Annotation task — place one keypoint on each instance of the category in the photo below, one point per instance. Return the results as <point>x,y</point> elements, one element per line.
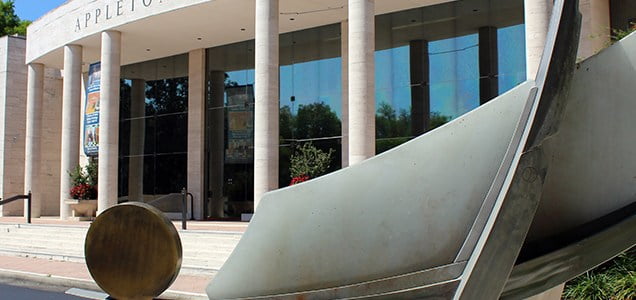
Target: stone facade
<point>13,84</point>
<point>13,78</point>
<point>51,142</point>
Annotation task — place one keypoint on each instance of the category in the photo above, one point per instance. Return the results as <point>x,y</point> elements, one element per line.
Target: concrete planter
<point>83,210</point>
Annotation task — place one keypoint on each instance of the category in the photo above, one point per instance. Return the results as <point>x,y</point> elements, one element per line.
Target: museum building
<point>215,95</point>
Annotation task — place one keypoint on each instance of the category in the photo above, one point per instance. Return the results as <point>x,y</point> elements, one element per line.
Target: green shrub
<point>308,160</point>
<point>619,34</point>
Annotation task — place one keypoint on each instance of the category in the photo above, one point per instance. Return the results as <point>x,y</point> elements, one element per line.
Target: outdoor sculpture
<point>447,214</point>
<point>133,251</point>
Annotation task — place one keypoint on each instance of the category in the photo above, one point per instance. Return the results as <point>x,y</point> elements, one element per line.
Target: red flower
<point>299,179</point>
<point>84,191</point>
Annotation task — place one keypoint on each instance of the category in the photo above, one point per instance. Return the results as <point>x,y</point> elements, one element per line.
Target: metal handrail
<point>184,207</point>
<point>26,197</point>
<point>191,206</point>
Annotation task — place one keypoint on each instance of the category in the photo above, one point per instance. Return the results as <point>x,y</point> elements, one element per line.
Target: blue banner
<point>91,110</point>
<point>240,115</point>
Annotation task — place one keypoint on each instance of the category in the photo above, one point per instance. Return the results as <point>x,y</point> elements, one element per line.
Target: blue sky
<point>33,9</point>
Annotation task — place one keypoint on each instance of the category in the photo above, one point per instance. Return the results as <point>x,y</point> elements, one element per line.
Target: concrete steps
<point>204,252</point>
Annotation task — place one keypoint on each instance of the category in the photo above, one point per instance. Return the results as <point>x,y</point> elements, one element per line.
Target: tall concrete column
<point>266,111</point>
<point>33,149</point>
<point>109,120</point>
<point>488,64</point>
<point>361,80</point>
<point>595,27</point>
<point>420,87</point>
<point>137,139</point>
<point>71,95</point>
<point>216,146</point>
<point>344,52</point>
<point>537,19</point>
<point>196,130</point>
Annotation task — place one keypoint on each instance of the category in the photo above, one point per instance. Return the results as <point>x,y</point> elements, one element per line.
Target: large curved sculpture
<point>446,214</point>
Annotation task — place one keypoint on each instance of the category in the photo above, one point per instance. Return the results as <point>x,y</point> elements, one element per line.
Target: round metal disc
<point>133,251</point>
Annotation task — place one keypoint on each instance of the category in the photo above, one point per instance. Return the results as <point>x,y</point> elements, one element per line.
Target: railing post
<point>28,216</point>
<point>191,206</point>
<point>184,208</point>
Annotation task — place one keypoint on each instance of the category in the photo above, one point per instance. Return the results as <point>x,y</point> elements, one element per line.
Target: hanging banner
<point>240,116</point>
<point>91,110</point>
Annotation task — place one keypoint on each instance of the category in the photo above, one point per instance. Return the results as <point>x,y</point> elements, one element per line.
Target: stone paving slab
<point>76,274</point>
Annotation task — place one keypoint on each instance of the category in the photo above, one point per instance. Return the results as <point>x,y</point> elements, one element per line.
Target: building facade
<point>213,96</point>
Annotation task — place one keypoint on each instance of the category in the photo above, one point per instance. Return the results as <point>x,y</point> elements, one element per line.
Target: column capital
<point>36,65</point>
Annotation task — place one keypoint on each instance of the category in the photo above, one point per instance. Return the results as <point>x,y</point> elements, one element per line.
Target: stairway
<point>204,252</point>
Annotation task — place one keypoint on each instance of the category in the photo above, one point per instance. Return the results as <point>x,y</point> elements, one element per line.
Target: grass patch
<point>614,280</point>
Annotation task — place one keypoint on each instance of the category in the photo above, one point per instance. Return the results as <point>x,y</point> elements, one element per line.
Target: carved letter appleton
<point>87,18</point>
<point>108,16</point>
<point>115,8</point>
<point>120,6</point>
<point>98,12</point>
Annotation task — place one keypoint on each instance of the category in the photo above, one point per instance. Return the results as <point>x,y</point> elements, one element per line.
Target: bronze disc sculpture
<point>133,251</point>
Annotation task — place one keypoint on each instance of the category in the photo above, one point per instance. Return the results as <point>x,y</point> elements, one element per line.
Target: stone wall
<point>51,142</point>
<point>13,79</point>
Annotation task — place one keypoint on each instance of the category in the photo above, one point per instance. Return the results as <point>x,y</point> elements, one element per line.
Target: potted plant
<point>84,191</point>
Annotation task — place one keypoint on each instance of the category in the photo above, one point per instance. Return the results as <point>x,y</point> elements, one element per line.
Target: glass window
<point>230,130</point>
<point>153,129</point>
<point>311,95</point>
<point>440,44</point>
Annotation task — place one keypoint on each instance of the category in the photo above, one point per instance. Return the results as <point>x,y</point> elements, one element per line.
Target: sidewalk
<point>192,225</point>
<point>73,274</point>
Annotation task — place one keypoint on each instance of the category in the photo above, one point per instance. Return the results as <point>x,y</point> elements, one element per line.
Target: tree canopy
<point>10,23</point>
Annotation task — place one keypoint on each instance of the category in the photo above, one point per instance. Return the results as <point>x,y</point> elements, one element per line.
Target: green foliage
<point>86,175</point>
<point>77,176</point>
<point>382,145</point>
<point>438,120</point>
<point>91,171</point>
<point>310,161</point>
<point>614,280</point>
<point>393,128</point>
<point>619,34</point>
<point>316,120</point>
<point>390,124</point>
<point>10,23</point>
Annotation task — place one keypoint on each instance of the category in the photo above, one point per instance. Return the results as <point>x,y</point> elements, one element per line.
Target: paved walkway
<point>74,274</point>
<point>192,225</point>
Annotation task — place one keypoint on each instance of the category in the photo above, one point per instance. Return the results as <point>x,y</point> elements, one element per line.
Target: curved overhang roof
<point>159,28</point>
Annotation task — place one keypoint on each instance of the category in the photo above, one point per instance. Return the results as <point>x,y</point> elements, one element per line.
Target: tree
<point>316,120</point>
<point>10,23</point>
<point>286,126</point>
